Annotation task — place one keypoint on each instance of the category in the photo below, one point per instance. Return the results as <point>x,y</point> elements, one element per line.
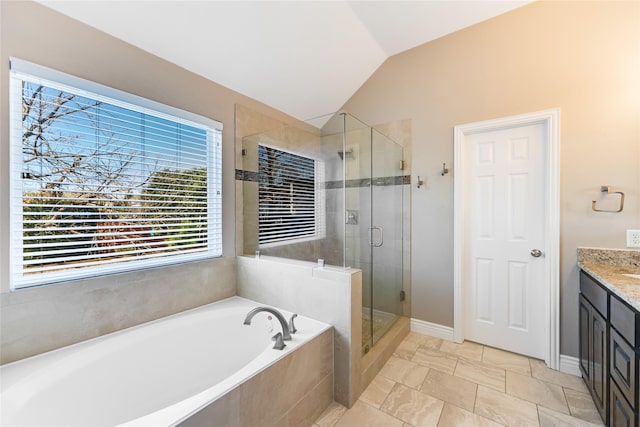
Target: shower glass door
<point>373,195</point>
<point>386,234</point>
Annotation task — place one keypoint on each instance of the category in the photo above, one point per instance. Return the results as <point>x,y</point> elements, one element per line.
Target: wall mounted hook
<point>444,169</point>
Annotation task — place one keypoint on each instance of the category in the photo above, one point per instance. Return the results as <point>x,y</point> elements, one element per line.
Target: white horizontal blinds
<point>214,182</point>
<point>286,196</point>
<point>101,186</point>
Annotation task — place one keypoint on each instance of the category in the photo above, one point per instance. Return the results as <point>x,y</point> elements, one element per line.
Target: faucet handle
<point>292,326</point>
<point>279,345</point>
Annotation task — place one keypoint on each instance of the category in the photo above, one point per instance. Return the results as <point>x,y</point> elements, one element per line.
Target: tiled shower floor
<point>381,324</point>
<point>431,382</point>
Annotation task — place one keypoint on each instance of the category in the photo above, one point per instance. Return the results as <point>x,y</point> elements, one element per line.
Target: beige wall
<point>40,319</point>
<point>583,57</point>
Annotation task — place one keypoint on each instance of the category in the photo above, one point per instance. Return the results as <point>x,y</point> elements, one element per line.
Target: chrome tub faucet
<point>279,338</point>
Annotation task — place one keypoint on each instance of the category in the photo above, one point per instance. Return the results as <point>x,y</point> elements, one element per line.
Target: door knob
<point>536,253</point>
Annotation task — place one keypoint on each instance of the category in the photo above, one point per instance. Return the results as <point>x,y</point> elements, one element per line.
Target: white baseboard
<point>570,365</point>
<point>432,329</point>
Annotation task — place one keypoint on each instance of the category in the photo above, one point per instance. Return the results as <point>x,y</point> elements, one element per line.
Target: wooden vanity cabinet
<point>609,352</point>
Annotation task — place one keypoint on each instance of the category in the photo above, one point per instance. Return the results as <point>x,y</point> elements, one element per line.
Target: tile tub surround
<point>332,295</point>
<point>609,266</point>
<point>40,319</point>
<point>292,392</point>
<point>410,391</point>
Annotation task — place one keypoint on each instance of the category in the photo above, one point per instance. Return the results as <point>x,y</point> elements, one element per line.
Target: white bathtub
<point>155,374</point>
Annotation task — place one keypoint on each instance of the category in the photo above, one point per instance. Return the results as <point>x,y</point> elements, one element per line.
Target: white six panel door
<point>504,288</point>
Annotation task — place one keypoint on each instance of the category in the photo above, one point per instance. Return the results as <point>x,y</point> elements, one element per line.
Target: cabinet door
<point>593,354</point>
<point>585,339</point>
<point>599,362</point>
<point>621,413</point>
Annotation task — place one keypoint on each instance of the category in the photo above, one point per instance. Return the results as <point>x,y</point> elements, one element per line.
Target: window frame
<point>20,71</point>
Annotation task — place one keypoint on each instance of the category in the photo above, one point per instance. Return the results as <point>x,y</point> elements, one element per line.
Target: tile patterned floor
<point>431,382</point>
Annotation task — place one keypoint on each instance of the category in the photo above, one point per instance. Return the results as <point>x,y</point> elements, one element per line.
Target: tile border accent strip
<point>243,175</point>
<point>367,182</point>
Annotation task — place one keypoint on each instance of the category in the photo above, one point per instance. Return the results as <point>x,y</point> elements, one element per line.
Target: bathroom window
<point>290,200</point>
<point>104,182</point>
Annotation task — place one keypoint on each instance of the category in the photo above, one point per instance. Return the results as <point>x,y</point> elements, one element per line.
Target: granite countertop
<point>609,266</point>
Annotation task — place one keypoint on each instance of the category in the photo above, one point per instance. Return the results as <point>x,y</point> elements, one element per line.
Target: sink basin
<point>633,276</point>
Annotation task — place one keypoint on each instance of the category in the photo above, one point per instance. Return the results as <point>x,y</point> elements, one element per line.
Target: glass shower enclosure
<point>330,189</point>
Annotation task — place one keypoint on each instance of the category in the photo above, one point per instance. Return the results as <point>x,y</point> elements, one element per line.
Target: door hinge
<point>401,165</point>
<point>402,295</point>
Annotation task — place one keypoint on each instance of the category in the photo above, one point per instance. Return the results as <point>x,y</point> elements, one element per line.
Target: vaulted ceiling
<point>305,58</point>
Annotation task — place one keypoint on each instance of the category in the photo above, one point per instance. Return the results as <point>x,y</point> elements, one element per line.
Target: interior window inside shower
<point>289,197</point>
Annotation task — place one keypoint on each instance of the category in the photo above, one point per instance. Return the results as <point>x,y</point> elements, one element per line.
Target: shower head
<point>346,154</point>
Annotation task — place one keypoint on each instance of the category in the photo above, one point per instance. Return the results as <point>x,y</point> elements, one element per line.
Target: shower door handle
<point>381,241</point>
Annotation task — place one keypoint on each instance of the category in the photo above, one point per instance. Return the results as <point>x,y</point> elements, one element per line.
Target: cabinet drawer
<point>622,415</point>
<point>622,365</point>
<point>595,293</point>
<point>623,318</point>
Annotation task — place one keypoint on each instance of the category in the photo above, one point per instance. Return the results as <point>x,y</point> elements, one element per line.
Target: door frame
<point>550,118</point>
